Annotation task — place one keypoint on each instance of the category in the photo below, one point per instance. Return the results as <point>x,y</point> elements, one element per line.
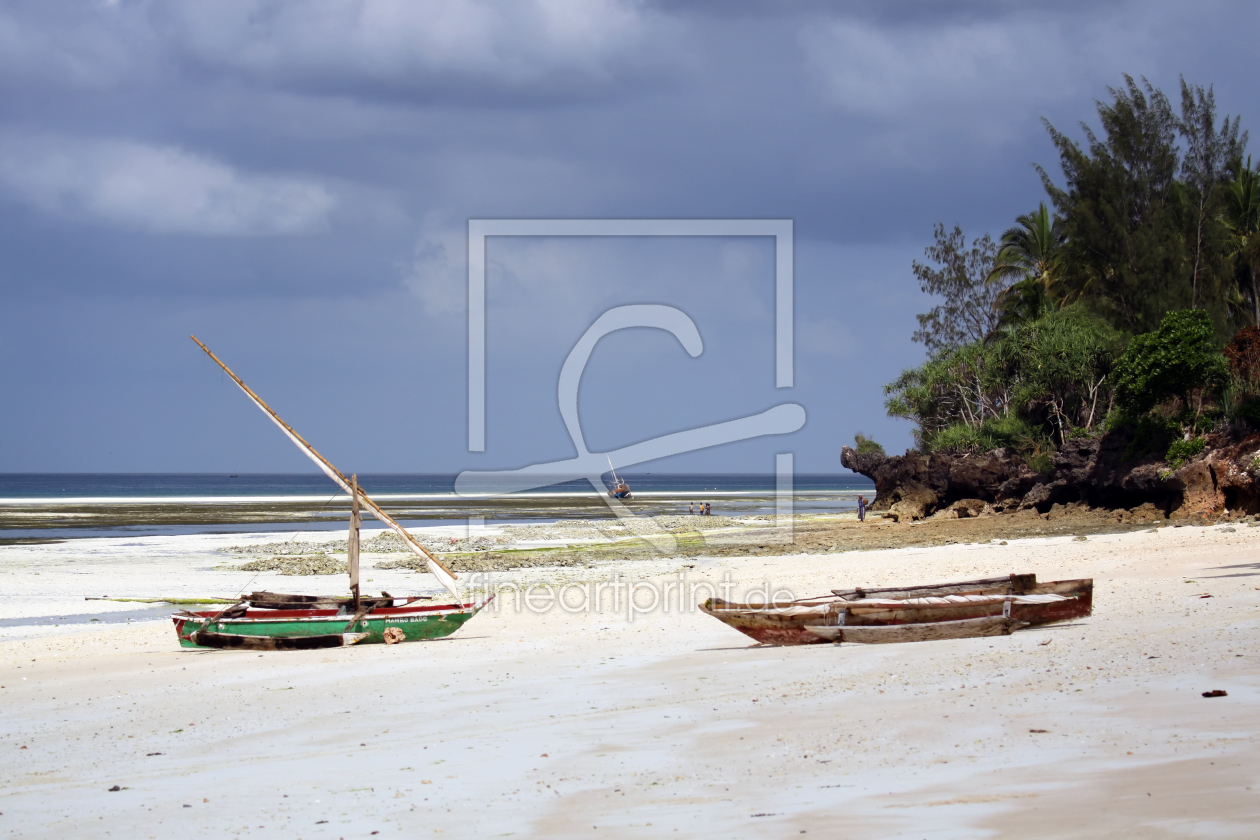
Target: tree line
<point>1131,300</point>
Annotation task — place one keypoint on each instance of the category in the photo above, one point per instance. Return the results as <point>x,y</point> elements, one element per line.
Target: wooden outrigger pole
<point>444,575</point>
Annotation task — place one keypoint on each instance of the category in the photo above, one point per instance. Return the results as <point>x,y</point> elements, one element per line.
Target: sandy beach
<point>627,723</point>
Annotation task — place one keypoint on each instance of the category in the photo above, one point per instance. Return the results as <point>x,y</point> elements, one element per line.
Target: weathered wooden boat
<point>1019,597</point>
<point>295,628</point>
<point>967,628</point>
<point>295,622</point>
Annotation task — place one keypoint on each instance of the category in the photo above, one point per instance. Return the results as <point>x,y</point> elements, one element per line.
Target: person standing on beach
<point>691,509</point>
<point>862,503</point>
<point>708,511</point>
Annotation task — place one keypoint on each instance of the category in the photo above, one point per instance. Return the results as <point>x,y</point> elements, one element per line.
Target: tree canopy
<point>959,276</point>
<point>1174,360</point>
<point>1112,302</point>
<point>1049,374</point>
<point>1140,241</point>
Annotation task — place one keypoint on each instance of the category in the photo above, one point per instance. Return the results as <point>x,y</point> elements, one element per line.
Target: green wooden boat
<point>306,622</point>
<point>408,623</point>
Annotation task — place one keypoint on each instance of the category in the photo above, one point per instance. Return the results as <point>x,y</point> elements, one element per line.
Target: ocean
<point>54,506</point>
<point>177,486</point>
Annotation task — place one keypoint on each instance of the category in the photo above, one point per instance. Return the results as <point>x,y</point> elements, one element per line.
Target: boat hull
<point>1079,603</point>
<point>769,627</point>
<point>416,623</point>
<point>969,628</point>
<point>232,641</point>
<point>785,625</point>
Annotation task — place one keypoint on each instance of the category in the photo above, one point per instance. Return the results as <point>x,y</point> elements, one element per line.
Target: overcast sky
<point>292,183</point>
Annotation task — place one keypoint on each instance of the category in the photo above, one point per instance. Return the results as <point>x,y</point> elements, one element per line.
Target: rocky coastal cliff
<point>1092,472</point>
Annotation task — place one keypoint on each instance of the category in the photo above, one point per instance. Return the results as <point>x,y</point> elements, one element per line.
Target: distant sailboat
<point>620,490</point>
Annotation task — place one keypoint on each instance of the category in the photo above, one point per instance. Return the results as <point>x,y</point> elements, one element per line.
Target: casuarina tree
<point>959,275</point>
<point>1205,173</point>
<point>1121,207</point>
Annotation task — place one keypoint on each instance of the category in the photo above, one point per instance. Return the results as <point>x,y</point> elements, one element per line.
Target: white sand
<point>669,725</point>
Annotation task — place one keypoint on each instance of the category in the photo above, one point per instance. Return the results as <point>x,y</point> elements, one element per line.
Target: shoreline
<point>30,521</point>
<point>52,501</point>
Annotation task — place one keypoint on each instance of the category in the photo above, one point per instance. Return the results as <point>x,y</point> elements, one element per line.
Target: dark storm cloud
<point>261,118</point>
<point>623,106</point>
<point>211,165</point>
<point>886,11</point>
<point>477,53</point>
<point>425,52</point>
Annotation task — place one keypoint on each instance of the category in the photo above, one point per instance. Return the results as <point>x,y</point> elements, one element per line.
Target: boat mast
<point>616,481</point>
<point>444,575</point>
<point>352,544</point>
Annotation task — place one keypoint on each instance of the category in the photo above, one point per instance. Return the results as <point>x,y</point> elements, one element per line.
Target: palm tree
<point>1032,257</point>
<point>1243,219</point>
<point>1021,302</point>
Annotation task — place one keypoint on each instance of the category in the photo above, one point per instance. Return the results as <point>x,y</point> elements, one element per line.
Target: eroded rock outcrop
<point>1094,472</point>
<point>1236,471</point>
<point>914,485</point>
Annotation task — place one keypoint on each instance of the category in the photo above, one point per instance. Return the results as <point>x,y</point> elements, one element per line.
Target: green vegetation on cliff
<point>1109,310</point>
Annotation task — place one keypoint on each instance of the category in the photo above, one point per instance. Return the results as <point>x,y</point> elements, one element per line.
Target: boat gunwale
<point>325,614</point>
<point>1078,587</point>
<point>329,619</point>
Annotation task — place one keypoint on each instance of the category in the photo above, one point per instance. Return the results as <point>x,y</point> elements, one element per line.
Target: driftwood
<point>235,641</point>
<point>1009,585</point>
<point>966,629</point>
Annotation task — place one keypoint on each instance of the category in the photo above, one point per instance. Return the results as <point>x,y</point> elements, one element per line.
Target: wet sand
<point>588,723</point>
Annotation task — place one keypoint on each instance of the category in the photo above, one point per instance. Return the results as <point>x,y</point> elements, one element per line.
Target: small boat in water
<point>274,621</point>
<point>1016,597</point>
<point>620,489</point>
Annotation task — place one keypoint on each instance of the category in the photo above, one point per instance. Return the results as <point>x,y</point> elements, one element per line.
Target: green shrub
<point>1151,434</point>
<point>1182,451</point>
<point>1206,420</point>
<point>1009,432</point>
<point>866,446</point>
<point>1041,460</point>
<point>1175,360</point>
<point>1116,420</point>
<point>1248,411</point>
<point>960,437</point>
